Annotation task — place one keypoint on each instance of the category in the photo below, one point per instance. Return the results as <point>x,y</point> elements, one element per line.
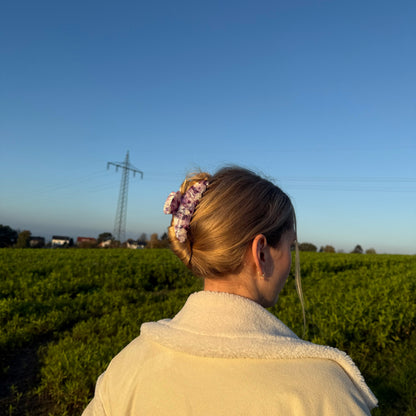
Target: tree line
<point>24,239</point>
<point>330,249</point>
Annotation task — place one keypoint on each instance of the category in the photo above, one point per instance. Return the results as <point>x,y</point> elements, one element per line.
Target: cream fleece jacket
<point>223,354</point>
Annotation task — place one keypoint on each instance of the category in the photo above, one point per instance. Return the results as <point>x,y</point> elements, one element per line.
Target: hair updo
<point>237,206</point>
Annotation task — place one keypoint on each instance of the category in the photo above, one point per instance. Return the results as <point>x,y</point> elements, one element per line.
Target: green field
<point>65,313</point>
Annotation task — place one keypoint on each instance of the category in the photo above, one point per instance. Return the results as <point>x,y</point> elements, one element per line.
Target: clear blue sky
<point>318,94</point>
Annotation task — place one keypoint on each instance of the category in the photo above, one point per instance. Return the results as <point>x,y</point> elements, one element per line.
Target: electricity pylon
<point>120,222</point>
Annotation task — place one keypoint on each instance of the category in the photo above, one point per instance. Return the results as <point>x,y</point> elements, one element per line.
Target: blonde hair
<point>237,205</point>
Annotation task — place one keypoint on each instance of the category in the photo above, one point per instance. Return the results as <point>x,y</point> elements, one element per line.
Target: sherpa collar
<point>223,325</point>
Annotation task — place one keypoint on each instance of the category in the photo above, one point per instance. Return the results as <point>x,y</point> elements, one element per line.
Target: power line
<point>349,189</point>
<point>347,179</point>
<point>352,184</point>
<point>74,183</point>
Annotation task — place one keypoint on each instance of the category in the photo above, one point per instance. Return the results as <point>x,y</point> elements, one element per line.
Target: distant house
<point>106,243</point>
<point>134,244</point>
<point>36,242</point>
<point>60,241</point>
<point>86,241</point>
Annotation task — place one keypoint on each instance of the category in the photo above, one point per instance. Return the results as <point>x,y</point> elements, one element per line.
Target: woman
<point>224,353</point>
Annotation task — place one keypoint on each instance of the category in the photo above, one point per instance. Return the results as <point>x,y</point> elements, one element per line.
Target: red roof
<point>88,239</point>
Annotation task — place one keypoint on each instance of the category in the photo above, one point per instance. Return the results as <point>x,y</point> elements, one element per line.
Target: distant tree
<point>156,243</point>
<point>142,240</point>
<point>164,236</point>
<point>23,239</point>
<point>153,241</point>
<point>358,249</point>
<point>327,249</point>
<point>370,251</point>
<point>143,237</point>
<point>8,236</point>
<point>307,247</point>
<point>104,237</point>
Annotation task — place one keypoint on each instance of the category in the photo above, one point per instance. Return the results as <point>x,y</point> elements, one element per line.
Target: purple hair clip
<point>182,207</point>
<point>172,203</point>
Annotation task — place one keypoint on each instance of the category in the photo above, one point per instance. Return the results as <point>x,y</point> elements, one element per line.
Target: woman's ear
<point>258,251</point>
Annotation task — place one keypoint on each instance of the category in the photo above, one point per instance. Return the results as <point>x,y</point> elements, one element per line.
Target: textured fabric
<point>223,354</point>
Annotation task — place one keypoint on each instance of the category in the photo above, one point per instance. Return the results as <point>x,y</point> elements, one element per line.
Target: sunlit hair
<point>237,206</point>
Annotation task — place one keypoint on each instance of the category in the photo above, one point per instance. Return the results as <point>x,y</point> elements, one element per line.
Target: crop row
<point>77,308</point>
